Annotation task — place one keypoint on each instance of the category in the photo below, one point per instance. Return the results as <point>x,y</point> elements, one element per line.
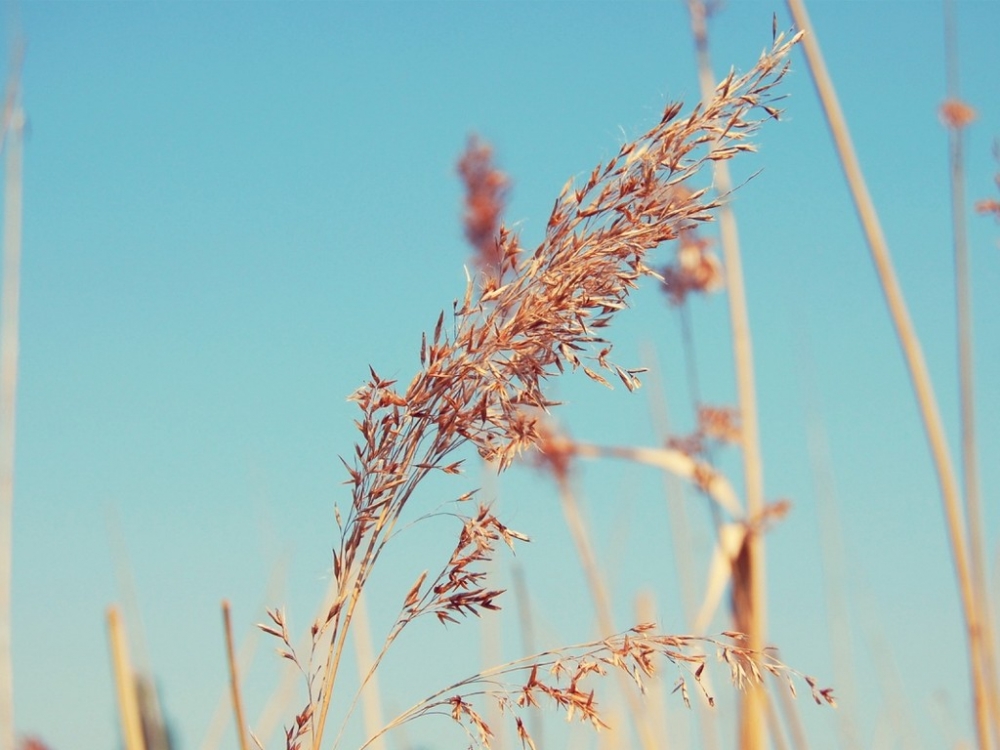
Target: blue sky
<point>230,210</point>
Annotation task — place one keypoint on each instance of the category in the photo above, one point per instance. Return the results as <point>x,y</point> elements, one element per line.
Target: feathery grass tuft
<point>481,378</point>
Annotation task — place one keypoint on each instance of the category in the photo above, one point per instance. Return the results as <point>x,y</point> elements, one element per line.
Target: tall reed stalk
<point>748,581</point>
<point>125,683</point>
<point>234,678</point>
<point>579,532</point>
<point>12,135</point>
<point>371,701</point>
<point>913,354</point>
<point>957,116</point>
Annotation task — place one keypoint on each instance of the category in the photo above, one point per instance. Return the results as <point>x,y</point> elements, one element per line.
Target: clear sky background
<point>231,209</point>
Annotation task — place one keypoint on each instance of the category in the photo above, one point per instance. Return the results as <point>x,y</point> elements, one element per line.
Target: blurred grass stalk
<point>680,539</point>
<point>972,604</point>
<point>234,677</point>
<point>956,116</point>
<point>371,704</point>
<point>13,130</point>
<point>639,714</point>
<point>128,700</point>
<point>748,581</point>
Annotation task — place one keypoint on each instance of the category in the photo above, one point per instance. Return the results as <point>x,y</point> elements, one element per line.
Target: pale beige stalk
<point>773,723</point>
<point>656,695</point>
<point>371,704</point>
<point>13,133</point>
<point>578,529</point>
<point>749,588</point>
<point>244,658</point>
<point>234,677</point>
<point>128,703</point>
<point>913,353</point>
<point>680,542</point>
<point>966,370</point>
<point>790,712</point>
<point>526,621</point>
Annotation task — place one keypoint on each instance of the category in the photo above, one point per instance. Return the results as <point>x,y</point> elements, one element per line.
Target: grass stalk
<point>274,711</point>
<point>371,708</point>
<point>332,668</point>
<point>750,601</point>
<point>128,702</point>
<point>790,712</point>
<point>913,354</point>
<point>526,621</point>
<point>963,310</point>
<point>680,539</point>
<point>12,129</point>
<point>234,677</point>
<point>220,716</point>
<point>577,526</point>
<point>656,693</point>
<point>154,729</point>
<point>244,658</point>
<point>773,721</point>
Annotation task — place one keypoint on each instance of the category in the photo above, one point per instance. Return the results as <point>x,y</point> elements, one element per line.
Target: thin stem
<point>912,352</point>
<point>333,665</point>
<point>966,369</point>
<point>750,604</point>
<point>774,726</point>
<point>680,541</point>
<point>369,690</point>
<point>273,710</point>
<point>234,679</point>
<point>527,630</point>
<point>128,703</point>
<point>602,602</point>
<point>790,711</point>
<point>12,127</point>
<point>244,658</point>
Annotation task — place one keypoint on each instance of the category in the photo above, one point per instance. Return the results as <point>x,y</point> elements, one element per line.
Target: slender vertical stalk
<point>749,590</point>
<point>913,354</point>
<point>526,627</point>
<point>963,310</point>
<point>790,710</point>
<point>271,715</point>
<point>128,703</point>
<point>602,602</point>
<point>155,731</point>
<point>244,658</point>
<point>370,704</point>
<point>491,639</point>
<point>332,668</point>
<point>13,125</point>
<point>234,678</point>
<point>680,537</point>
<point>656,692</point>
<point>774,726</point>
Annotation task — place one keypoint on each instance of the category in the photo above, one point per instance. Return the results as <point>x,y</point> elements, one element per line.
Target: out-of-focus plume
<point>485,194</point>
